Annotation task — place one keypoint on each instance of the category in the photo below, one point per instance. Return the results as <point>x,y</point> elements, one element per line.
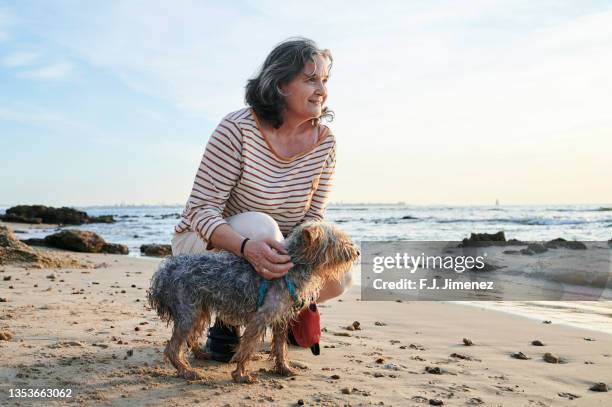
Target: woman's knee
<point>335,288</point>
<point>255,225</point>
<point>187,243</point>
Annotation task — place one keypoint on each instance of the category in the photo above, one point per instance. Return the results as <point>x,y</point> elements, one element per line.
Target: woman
<point>266,169</point>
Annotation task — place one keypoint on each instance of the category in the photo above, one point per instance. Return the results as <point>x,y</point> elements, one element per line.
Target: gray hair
<point>283,64</point>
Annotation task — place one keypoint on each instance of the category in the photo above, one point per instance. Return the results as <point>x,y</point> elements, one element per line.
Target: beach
<point>89,330</point>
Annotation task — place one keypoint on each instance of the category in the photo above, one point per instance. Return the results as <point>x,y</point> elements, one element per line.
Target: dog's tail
<point>161,289</point>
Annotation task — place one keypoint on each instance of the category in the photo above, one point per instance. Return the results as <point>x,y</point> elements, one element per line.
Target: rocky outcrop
<point>46,214</point>
<point>489,239</point>
<point>115,248</point>
<point>83,241</point>
<point>562,243</point>
<point>156,250</point>
<point>13,251</point>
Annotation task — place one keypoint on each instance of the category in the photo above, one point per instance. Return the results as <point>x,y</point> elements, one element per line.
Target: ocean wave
<point>525,221</point>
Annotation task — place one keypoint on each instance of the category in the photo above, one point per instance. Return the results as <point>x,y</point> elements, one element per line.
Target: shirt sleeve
<point>215,178</point>
<point>320,197</point>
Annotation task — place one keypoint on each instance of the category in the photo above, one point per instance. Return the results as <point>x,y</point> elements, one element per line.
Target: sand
<point>90,330</point>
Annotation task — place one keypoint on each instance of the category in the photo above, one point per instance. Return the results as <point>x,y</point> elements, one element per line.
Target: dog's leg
<point>194,339</point>
<point>175,353</point>
<point>279,349</point>
<point>253,333</point>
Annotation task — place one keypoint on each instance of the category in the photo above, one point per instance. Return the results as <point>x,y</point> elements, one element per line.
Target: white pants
<point>256,226</point>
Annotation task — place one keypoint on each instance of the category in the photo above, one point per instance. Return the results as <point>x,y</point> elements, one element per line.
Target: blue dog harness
<point>263,287</point>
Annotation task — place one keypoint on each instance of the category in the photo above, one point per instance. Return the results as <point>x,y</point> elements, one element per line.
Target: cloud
<point>19,59</point>
<point>54,71</point>
<point>5,21</point>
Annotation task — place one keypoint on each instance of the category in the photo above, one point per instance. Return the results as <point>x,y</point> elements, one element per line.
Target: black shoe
<point>222,341</point>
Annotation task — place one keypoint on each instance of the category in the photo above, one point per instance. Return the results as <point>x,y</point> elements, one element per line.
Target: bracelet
<point>246,239</point>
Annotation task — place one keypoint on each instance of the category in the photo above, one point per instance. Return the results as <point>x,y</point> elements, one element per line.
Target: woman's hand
<point>268,257</point>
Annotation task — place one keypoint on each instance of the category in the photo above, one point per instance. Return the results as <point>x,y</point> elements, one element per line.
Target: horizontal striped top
<point>240,172</point>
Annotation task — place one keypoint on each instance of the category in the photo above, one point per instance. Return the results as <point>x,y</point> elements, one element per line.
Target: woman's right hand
<point>268,263</point>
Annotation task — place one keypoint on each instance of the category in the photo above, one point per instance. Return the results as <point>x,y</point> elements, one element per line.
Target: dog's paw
<point>285,371</point>
<point>192,374</point>
<point>243,377</point>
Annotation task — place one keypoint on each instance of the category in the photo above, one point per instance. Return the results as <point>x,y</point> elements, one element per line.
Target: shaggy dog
<point>187,289</point>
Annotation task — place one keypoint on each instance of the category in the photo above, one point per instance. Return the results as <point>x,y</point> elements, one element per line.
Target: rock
<point>435,402</point>
<point>355,326</point>
<point>391,366</point>
<point>408,217</point>
<point>536,248</point>
<point>601,387</point>
<point>489,239</point>
<point>34,242</point>
<point>467,342</point>
<point>76,240</point>
<point>562,243</point>
<point>335,377</point>
<point>13,250</point>
<point>380,361</point>
<point>346,390</point>
<point>520,355</point>
<point>511,252</point>
<point>546,322</point>
<point>47,214</point>
<point>5,336</point>
<point>300,402</point>
<point>569,396</point>
<point>157,250</point>
<point>433,370</point>
<point>378,323</point>
<point>527,252</point>
<point>463,356</point>
<point>575,245</point>
<point>537,343</point>
<point>115,248</point>
<point>550,358</point>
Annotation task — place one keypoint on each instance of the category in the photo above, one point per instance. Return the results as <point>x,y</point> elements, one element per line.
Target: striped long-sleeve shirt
<point>241,172</point>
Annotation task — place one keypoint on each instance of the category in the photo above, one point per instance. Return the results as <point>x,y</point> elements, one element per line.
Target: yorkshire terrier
<point>187,289</point>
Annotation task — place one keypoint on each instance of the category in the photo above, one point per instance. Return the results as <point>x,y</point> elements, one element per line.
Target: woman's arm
<point>259,253</point>
<point>217,175</point>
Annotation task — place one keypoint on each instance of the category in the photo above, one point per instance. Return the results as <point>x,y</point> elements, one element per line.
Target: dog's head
<point>323,246</point>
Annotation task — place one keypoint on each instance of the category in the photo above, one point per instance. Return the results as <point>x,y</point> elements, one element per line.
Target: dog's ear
<point>311,235</point>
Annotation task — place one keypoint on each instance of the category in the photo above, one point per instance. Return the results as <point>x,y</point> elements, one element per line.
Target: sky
<point>436,102</point>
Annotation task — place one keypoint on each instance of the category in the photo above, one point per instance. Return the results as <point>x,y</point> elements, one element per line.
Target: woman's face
<point>307,92</point>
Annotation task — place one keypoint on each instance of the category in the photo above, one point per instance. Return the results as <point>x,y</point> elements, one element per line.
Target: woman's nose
<point>321,89</point>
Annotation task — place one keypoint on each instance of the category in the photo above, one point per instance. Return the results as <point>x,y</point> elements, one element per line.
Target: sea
<point>137,225</point>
